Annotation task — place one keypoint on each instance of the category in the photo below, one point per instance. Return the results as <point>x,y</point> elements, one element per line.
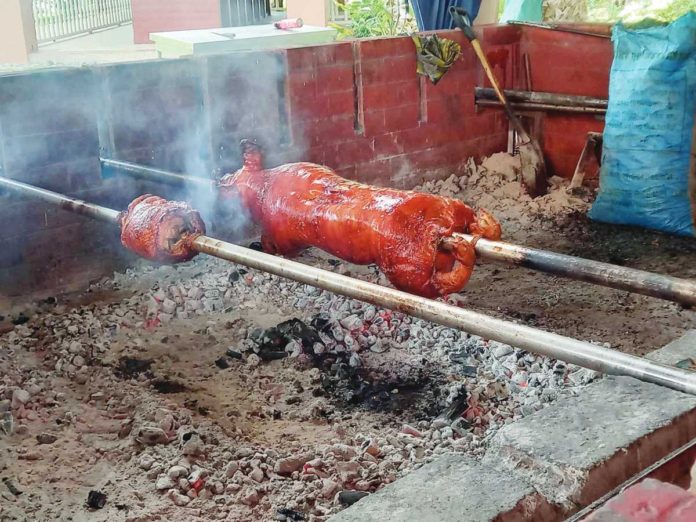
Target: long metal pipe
<point>531,339</point>
<point>514,95</point>
<point>73,205</point>
<point>613,276</point>
<point>150,173</point>
<point>544,107</point>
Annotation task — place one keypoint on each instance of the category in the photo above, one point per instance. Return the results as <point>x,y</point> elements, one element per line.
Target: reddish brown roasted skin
<point>303,204</point>
<point>160,230</point>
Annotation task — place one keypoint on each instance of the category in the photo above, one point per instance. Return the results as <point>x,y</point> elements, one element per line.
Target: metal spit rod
<point>538,341</point>
<point>613,276</point>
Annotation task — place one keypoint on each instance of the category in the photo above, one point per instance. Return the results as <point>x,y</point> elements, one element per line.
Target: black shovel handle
<point>463,21</point>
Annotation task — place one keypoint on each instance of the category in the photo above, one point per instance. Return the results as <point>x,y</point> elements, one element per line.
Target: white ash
<point>181,459</point>
<point>495,185</point>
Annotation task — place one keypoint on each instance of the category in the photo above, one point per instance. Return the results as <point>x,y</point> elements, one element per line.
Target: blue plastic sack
<point>649,124</point>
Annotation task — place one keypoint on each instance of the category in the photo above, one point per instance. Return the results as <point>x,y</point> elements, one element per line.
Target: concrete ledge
<point>678,350</point>
<point>452,489</point>
<point>580,447</point>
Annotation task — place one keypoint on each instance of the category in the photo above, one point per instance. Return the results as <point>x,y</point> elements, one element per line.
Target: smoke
<point>48,138</point>
<point>186,116</point>
<point>189,115</point>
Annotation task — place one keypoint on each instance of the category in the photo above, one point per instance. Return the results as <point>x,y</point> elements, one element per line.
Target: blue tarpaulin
<point>432,15</point>
<point>649,124</point>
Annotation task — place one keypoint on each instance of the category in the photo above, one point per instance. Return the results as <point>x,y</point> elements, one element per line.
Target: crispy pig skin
<point>300,205</point>
<point>160,230</point>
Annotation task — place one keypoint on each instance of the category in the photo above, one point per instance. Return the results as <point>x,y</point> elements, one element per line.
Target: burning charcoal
<point>96,500</point>
<point>289,515</point>
<point>271,339</point>
<point>222,363</point>
<point>457,403</point>
<point>460,426</point>
<point>294,328</point>
<point>348,497</point>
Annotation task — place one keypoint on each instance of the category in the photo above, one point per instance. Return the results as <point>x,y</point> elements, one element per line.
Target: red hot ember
<point>299,205</point>
<point>160,230</point>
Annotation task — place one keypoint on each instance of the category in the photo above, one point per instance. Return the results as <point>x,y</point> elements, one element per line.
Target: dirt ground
<point>630,322</point>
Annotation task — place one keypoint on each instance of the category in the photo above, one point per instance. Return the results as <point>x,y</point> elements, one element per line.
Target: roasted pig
<point>406,234</point>
<point>160,230</point>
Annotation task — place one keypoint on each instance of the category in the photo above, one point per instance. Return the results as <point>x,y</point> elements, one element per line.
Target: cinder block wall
<point>49,137</point>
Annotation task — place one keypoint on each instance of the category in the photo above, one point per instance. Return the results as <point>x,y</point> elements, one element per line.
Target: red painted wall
<point>152,16</point>
<point>570,64</point>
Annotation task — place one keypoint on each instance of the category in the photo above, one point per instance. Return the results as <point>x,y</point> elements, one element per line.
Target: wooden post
<point>18,31</point>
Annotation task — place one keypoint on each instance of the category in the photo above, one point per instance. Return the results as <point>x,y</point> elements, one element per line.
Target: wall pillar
<point>18,31</point>
<point>312,12</point>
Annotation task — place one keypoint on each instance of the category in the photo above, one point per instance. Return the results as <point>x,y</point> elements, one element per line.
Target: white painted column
<point>312,12</point>
<point>17,31</point>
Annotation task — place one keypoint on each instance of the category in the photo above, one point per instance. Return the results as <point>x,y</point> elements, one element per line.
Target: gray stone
<point>678,350</point>
<point>453,488</point>
<point>582,446</point>
<point>20,397</point>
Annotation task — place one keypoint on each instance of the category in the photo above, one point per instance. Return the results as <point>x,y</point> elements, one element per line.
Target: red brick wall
<point>570,64</point>
<point>152,16</point>
<point>360,108</point>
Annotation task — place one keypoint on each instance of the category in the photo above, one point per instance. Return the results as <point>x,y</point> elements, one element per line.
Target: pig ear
<point>251,154</point>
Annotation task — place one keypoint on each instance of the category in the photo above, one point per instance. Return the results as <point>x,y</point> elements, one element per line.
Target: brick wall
<point>569,64</point>
<point>359,108</point>
<point>150,17</point>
